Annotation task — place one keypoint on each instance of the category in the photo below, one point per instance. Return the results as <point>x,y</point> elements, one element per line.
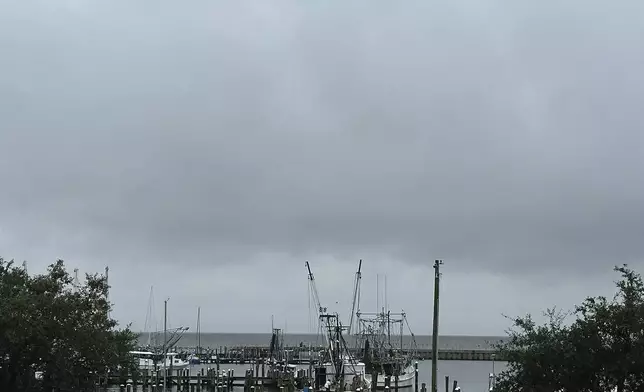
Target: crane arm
<point>355,305</point>
<point>321,311</point>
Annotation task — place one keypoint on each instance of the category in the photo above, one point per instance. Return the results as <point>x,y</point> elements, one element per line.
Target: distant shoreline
<point>314,334</point>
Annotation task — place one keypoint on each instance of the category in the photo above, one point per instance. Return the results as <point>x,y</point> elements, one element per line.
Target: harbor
<point>470,376</point>
<point>371,352</point>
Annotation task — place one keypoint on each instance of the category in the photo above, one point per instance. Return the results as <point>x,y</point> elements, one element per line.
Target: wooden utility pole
<point>437,278</point>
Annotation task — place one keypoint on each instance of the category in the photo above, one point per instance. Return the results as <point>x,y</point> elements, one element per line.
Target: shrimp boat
<point>379,338</point>
<point>383,360</point>
<point>386,359</point>
<point>279,369</point>
<point>337,369</point>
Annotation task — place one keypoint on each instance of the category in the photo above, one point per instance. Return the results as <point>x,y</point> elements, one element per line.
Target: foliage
<point>49,325</point>
<point>602,349</point>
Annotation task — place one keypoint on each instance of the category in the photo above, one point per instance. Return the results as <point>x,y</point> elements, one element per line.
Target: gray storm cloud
<point>504,137</point>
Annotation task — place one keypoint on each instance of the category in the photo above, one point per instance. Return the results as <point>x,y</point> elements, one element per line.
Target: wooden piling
<point>256,381</point>
<point>446,383</point>
<point>415,376</point>
<point>455,386</point>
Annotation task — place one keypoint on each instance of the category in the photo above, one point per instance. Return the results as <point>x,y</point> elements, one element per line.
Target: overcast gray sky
<point>206,147</point>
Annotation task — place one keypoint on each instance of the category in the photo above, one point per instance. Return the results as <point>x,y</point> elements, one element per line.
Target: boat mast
<point>386,299</point>
<point>165,341</point>
<point>199,330</point>
<point>437,277</point>
<point>402,330</point>
<point>150,320</point>
<point>355,306</point>
<point>377,292</point>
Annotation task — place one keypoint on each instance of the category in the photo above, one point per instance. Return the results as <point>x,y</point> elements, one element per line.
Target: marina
<point>374,351</point>
<point>471,376</point>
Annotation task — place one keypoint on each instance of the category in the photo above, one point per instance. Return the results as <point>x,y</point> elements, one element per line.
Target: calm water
<point>471,375</point>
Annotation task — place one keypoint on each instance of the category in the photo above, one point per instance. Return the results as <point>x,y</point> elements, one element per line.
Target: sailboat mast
<point>199,330</point>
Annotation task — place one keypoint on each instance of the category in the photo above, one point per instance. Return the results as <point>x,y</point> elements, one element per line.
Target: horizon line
<point>315,334</point>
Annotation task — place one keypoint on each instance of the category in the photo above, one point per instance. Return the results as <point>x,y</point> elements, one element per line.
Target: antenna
<point>378,292</point>
<point>386,302</point>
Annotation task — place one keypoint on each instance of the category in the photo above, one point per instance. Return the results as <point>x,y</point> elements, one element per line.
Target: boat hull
<point>352,372</point>
<point>149,365</point>
<point>146,362</point>
<point>405,380</point>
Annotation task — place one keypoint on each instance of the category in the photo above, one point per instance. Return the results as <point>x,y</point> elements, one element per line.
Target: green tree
<point>47,325</point>
<point>601,349</point>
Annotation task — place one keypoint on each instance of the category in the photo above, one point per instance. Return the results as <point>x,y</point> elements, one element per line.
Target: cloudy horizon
<point>209,148</point>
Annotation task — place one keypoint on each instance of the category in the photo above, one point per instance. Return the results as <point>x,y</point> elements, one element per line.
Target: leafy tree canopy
<point>50,325</point>
<point>602,349</point>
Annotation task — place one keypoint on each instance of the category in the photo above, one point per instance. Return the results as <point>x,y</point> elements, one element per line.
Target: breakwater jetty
<point>247,347</point>
<point>300,355</point>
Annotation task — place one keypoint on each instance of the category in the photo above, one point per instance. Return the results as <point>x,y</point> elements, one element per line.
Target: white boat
<point>355,377</point>
<point>351,375</point>
<point>146,361</point>
<point>406,379</point>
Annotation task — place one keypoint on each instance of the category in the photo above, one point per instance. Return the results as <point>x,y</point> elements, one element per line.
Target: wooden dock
<point>210,379</point>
